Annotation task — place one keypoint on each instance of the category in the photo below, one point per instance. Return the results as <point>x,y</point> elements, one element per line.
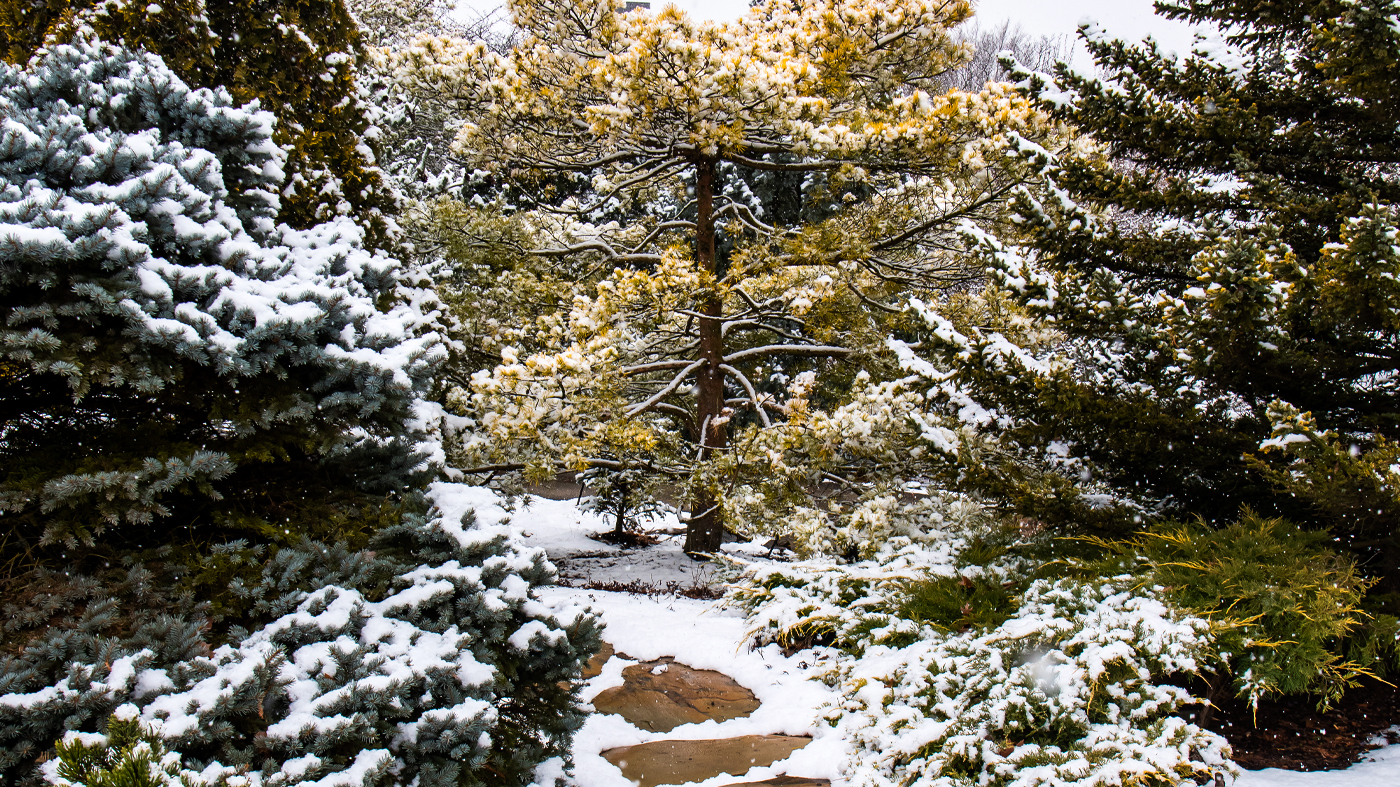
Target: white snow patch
<point>703,636</point>
<point>1381,769</point>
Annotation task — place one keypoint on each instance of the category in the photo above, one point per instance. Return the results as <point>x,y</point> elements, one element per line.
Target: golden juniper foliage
<point>297,58</point>
<point>708,225</point>
<point>1286,606</point>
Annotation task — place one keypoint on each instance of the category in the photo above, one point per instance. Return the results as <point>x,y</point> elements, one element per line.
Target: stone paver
<point>678,762</point>
<point>594,667</point>
<point>659,696</point>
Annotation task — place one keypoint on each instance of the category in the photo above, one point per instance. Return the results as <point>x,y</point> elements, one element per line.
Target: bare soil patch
<point>1290,733</point>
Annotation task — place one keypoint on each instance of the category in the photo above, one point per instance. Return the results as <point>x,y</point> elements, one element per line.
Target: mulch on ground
<point>654,589</point>
<point>630,539</point>
<point>1290,733</point>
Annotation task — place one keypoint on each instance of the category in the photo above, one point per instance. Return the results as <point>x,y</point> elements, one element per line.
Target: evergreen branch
<point>675,224</point>
<point>810,350</point>
<point>745,215</point>
<point>868,300</point>
<point>679,412</point>
<point>753,395</point>
<point>757,325</point>
<point>667,391</point>
<point>656,367</point>
<point>768,166</point>
<point>600,246</point>
<point>495,469</point>
<point>923,227</point>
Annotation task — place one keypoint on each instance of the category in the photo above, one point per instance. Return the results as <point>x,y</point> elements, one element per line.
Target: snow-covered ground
<point>1382,769</point>
<point>701,636</point>
<point>562,529</point>
<point>646,627</point>
<point>705,636</point>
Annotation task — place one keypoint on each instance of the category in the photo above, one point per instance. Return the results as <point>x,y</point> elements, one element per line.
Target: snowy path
<point>700,634</point>
<point>697,634</point>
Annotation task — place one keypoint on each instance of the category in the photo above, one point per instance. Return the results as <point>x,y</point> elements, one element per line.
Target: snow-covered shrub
<point>435,665</point>
<point>1063,683</point>
<point>1062,693</point>
<point>1287,605</point>
<point>822,601</point>
<point>175,363</point>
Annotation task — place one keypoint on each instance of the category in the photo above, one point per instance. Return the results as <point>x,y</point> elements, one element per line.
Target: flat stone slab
<point>678,762</point>
<point>661,695</point>
<point>787,781</point>
<point>594,667</point>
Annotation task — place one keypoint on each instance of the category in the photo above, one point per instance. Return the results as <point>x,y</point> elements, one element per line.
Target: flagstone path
<point>659,696</point>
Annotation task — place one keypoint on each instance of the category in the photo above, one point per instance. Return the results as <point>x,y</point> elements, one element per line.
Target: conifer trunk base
<point>704,533</point>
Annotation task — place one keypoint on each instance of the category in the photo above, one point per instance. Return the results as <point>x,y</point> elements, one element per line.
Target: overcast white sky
<point>1131,19</point>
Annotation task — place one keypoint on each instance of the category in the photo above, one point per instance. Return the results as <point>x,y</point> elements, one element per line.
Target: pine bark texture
<point>705,530</point>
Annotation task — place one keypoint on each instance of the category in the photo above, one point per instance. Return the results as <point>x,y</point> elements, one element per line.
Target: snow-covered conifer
<point>299,59</point>
<point>1212,276</point>
<point>178,366</point>
<point>708,223</point>
<point>426,660</point>
<point>1219,267</point>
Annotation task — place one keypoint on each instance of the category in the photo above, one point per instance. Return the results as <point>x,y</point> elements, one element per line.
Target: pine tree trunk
<point>705,530</point>
<point>620,526</point>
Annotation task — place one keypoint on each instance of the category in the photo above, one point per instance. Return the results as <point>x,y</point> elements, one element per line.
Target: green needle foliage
<point>960,603</point>
<point>129,755</point>
<point>1287,607</point>
<point>297,58</point>
<point>1220,268</point>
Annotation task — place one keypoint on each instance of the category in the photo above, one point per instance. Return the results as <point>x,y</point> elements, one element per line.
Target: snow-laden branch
<point>758,325</point>
<point>810,166</point>
<point>667,391</point>
<point>808,350</point>
<point>656,367</point>
<point>746,216</point>
<point>679,412</point>
<point>753,395</point>
<point>599,246</point>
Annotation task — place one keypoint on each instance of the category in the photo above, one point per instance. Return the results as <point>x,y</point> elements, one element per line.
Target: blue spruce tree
<point>427,659</point>
<point>177,365</point>
<point>213,441</point>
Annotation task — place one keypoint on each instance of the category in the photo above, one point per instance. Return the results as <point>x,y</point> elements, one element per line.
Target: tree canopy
<point>715,213</point>
<point>1219,274</point>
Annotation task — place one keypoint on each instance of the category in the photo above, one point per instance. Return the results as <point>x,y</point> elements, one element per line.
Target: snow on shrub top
<point>1063,693</point>
<point>1068,689</point>
<point>142,258</point>
<point>458,669</point>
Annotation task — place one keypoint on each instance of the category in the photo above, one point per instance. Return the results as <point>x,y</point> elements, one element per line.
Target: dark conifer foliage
<point>178,367</point>
<point>426,657</point>
<point>297,58</point>
<point>1222,265</point>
